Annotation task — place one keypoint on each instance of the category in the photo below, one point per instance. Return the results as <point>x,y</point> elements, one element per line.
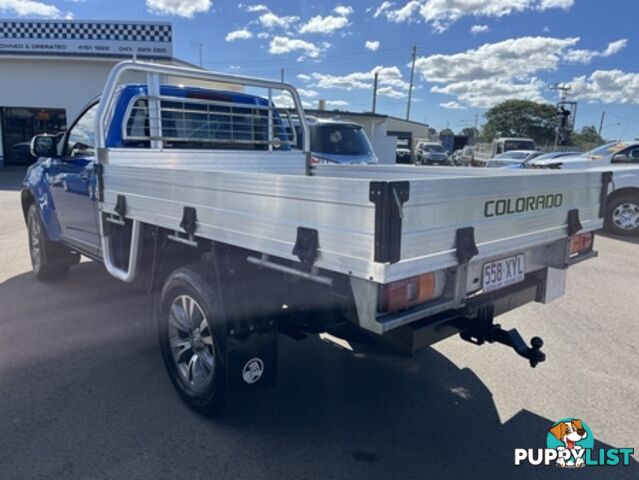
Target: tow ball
<point>483,329</point>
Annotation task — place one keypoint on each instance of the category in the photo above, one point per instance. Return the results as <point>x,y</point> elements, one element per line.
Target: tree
<point>470,132</point>
<point>587,139</point>
<point>522,118</point>
<point>445,132</point>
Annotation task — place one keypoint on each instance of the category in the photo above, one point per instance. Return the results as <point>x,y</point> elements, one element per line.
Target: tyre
<point>622,214</point>
<point>190,324</point>
<point>49,260</point>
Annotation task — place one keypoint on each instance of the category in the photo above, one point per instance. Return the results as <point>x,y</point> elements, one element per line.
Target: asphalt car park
<point>84,393</point>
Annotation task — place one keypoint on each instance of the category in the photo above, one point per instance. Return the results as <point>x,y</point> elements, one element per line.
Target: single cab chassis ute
<point>200,194</point>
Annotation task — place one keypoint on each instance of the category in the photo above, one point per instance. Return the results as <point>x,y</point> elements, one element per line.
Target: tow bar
<point>482,329</point>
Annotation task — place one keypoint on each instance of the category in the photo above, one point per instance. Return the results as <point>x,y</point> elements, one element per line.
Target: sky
<point>470,55</point>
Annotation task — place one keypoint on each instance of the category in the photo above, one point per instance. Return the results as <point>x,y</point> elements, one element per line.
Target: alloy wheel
<point>191,341</point>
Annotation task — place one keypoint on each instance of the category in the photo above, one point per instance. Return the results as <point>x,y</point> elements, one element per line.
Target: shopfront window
<point>19,125</point>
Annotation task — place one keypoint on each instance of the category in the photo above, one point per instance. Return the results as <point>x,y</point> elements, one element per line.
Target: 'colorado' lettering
<point>509,206</point>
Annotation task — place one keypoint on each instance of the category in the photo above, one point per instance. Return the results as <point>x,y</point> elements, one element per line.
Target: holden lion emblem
<point>253,370</point>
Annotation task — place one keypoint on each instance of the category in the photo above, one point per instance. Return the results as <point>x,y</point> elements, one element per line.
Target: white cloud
<point>488,92</point>
<point>263,35</point>
<point>373,46</point>
<point>607,86</point>
<point>24,8</point>
<point>382,8</point>
<point>512,58</point>
<point>499,71</point>
<point>586,56</point>
<point>284,100</point>
<point>344,11</point>
<point>270,20</point>
<point>326,24</point>
<point>475,29</point>
<point>181,8</point>
<point>303,77</point>
<point>330,23</point>
<point>255,8</point>
<point>390,81</point>
<point>391,92</point>
<point>442,13</point>
<point>404,13</point>
<point>615,47</point>
<point>307,93</point>
<point>335,104</point>
<point>282,45</point>
<point>357,80</point>
<point>547,4</point>
<point>241,34</point>
<point>452,105</point>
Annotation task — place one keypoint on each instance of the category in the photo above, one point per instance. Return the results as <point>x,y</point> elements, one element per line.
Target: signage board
<point>71,37</point>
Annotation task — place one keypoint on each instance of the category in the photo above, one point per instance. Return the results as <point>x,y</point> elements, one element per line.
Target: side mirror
<point>44,146</point>
<point>621,158</point>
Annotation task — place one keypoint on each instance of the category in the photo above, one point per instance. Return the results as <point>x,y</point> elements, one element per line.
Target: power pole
<point>603,115</point>
<point>282,74</point>
<point>410,87</point>
<point>375,92</point>
<point>200,45</point>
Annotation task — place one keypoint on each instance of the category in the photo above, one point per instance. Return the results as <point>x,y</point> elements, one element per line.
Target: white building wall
<point>52,83</point>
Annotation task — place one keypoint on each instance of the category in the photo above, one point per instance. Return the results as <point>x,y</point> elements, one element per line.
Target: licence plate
<point>501,273</point>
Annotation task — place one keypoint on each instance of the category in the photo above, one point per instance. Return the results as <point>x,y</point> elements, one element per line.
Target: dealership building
<point>51,69</point>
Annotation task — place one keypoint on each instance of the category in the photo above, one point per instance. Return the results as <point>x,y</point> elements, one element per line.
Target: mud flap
<point>251,339</point>
<point>251,359</point>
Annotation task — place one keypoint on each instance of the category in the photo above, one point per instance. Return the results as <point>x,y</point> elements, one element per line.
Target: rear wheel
<point>622,214</point>
<point>190,325</point>
<point>49,260</point>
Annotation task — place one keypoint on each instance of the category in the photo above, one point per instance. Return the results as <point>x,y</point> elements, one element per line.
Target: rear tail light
<point>581,243</point>
<point>315,160</point>
<point>411,291</point>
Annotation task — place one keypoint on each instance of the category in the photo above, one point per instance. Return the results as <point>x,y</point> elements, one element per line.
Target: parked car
<point>549,157</point>
<point>431,154</point>
<point>456,157</point>
<point>482,152</point>
<point>334,141</point>
<point>622,204</point>
<point>468,155</point>
<point>338,141</point>
<point>513,159</point>
<point>613,152</point>
<point>403,153</point>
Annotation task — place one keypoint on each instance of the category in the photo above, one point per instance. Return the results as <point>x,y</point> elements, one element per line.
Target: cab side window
<point>633,154</point>
<point>629,155</point>
<point>82,135</point>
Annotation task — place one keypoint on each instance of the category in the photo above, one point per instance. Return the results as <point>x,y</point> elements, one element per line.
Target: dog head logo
<point>571,437</point>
